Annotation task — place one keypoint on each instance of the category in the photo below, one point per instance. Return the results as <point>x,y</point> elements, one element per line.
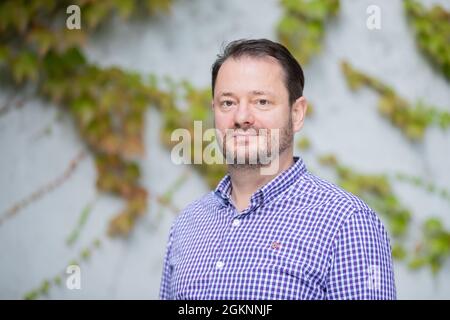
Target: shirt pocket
<point>280,263</point>
<point>279,277</point>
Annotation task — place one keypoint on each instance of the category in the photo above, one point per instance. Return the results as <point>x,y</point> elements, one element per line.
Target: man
<point>285,234</point>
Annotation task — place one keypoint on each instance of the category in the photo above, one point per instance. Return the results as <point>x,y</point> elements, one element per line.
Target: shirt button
<point>219,264</point>
<point>236,222</point>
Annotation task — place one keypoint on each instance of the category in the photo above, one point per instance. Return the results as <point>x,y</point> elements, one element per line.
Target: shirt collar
<point>269,191</point>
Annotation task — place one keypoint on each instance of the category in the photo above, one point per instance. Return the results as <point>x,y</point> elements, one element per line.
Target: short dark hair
<point>294,78</point>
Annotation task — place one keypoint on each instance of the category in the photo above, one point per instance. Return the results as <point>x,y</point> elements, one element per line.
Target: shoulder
<point>352,213</point>
<point>328,206</point>
<point>325,194</point>
<point>197,209</point>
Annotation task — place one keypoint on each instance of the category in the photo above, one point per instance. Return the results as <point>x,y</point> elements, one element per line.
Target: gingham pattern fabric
<point>300,238</point>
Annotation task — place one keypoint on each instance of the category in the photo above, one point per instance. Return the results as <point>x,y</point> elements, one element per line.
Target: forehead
<point>248,74</point>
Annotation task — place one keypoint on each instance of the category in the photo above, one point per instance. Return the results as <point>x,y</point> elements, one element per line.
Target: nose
<point>243,116</point>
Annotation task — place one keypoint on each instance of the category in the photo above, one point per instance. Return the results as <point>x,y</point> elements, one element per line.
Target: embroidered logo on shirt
<point>275,245</point>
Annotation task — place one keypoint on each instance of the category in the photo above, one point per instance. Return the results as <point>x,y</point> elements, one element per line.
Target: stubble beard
<point>263,159</point>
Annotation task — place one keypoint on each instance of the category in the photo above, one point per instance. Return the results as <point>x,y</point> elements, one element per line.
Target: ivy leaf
<point>398,252</point>
<point>154,6</point>
<point>84,110</point>
<point>417,263</point>
<point>25,67</point>
<point>125,7</point>
<point>95,12</point>
<point>4,54</point>
<point>42,39</point>
<point>432,226</point>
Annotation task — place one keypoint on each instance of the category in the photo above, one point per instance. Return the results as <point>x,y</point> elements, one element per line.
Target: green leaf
<point>25,67</point>
<point>432,226</point>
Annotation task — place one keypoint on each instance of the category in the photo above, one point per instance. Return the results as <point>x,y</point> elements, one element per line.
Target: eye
<point>226,103</point>
<point>263,102</point>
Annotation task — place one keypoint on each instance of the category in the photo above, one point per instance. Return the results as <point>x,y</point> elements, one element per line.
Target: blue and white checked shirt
<point>300,238</point>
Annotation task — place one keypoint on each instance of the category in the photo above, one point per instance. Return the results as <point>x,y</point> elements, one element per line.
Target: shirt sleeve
<point>165,287</point>
<point>361,263</point>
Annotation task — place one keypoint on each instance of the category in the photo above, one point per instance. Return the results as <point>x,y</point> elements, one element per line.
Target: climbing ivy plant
<point>302,26</point>
<point>411,119</point>
<point>107,104</point>
<point>432,30</point>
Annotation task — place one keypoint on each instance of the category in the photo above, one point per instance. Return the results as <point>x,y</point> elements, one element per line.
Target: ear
<point>212,103</point>
<point>298,113</point>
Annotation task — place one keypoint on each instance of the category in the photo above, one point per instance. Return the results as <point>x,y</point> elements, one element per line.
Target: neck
<point>247,180</point>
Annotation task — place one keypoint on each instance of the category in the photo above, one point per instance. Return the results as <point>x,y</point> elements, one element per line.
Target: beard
<point>253,148</point>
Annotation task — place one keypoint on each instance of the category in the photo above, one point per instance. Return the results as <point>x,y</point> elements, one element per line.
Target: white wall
<point>183,46</point>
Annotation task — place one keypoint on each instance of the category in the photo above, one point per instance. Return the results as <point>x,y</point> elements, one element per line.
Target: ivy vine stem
<point>42,191</point>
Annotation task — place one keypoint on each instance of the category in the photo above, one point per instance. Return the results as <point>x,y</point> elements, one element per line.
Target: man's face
<point>251,108</point>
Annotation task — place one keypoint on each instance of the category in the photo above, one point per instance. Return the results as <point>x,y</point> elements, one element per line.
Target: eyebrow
<point>226,94</point>
<point>261,93</point>
<point>253,92</point>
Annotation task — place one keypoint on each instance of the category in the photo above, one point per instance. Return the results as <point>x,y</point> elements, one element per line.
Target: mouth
<point>245,138</point>
<point>249,133</point>
<point>244,135</point>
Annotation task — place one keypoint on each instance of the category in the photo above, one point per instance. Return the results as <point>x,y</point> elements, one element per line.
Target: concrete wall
<point>37,143</point>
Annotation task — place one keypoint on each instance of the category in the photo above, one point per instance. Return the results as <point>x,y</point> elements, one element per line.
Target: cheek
<point>271,120</point>
<point>223,120</point>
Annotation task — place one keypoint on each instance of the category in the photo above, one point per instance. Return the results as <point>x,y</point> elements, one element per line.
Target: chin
<point>248,155</point>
